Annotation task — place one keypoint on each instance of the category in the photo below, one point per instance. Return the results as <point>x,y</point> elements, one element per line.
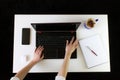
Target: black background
<point>10,7</point>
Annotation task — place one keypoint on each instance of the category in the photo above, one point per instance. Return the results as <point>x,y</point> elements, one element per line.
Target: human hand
<point>71,46</point>
<point>38,54</point>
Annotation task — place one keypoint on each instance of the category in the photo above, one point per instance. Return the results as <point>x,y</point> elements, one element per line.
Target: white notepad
<point>93,51</point>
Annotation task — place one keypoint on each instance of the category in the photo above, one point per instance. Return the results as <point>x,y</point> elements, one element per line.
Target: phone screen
<point>26,36</point>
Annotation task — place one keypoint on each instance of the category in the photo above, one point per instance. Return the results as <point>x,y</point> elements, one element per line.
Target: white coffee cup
<point>90,23</point>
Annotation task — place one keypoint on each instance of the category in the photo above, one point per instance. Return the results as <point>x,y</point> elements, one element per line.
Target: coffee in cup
<point>90,23</point>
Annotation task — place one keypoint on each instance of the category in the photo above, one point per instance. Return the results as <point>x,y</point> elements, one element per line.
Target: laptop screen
<point>55,26</point>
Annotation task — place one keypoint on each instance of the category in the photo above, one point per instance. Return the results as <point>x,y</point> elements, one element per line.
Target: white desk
<point>53,65</point>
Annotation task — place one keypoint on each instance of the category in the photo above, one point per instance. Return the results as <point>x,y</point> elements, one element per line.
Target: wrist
<point>34,62</point>
<point>68,55</point>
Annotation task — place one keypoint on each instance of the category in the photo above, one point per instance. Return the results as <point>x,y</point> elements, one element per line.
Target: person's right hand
<point>70,47</point>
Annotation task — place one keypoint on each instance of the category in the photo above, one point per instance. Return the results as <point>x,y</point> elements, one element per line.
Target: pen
<point>91,50</point>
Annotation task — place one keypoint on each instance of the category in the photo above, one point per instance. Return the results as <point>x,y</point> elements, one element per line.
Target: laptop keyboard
<point>52,39</point>
<point>54,44</point>
<point>55,40</point>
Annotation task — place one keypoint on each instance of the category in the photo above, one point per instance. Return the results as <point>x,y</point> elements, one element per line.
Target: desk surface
<point>53,65</point>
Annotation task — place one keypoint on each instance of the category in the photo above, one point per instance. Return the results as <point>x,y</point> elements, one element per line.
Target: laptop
<point>53,37</point>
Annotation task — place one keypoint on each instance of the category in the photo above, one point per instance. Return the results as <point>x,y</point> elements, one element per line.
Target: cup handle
<point>96,20</point>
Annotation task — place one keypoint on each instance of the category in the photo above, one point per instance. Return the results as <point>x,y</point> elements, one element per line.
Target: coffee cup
<point>90,23</point>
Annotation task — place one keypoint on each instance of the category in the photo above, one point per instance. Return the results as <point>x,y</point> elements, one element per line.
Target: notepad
<point>93,51</point>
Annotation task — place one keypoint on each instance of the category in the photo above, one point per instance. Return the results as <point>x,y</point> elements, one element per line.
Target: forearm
<point>64,68</point>
<point>23,72</point>
<point>70,47</point>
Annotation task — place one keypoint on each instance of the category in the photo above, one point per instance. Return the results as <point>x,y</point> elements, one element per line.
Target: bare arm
<point>70,48</point>
<point>37,57</point>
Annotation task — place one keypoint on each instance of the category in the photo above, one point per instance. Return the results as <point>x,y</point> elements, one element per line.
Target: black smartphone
<point>25,36</point>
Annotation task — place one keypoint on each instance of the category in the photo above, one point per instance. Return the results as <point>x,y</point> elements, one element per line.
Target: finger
<point>40,50</point>
<point>66,42</point>
<point>40,47</point>
<point>42,56</point>
<point>76,42</point>
<point>76,45</point>
<point>37,49</point>
<point>72,40</point>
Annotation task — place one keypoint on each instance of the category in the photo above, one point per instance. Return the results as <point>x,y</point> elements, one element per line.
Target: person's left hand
<point>38,54</point>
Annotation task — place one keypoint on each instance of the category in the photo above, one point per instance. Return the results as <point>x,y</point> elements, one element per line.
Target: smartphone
<point>25,36</point>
